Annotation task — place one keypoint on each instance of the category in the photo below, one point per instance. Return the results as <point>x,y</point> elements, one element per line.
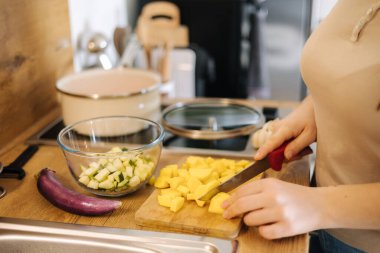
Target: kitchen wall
<point>35,52</point>
<point>89,16</point>
<point>320,10</point>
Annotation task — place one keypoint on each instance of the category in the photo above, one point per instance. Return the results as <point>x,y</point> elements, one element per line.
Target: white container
<point>116,92</point>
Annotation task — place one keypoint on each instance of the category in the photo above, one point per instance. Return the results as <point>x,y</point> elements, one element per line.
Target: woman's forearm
<point>306,108</point>
<point>350,206</point>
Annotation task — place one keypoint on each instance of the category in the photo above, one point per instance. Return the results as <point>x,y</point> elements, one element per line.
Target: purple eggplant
<point>74,202</point>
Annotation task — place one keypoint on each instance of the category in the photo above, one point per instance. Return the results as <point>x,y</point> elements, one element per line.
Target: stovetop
<point>238,146</point>
<point>235,147</point>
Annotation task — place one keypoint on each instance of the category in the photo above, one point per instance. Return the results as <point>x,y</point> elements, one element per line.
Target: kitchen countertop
<point>24,201</point>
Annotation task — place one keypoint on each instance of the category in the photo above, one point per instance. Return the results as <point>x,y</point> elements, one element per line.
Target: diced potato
<point>183,189</point>
<point>177,204</point>
<point>162,182</point>
<point>152,180</point>
<point>210,160</point>
<point>201,174</point>
<point>213,184</point>
<point>201,191</point>
<point>170,192</point>
<point>169,170</point>
<point>216,202</point>
<point>227,172</point>
<point>192,160</point>
<point>238,169</point>
<point>175,172</point>
<point>174,182</point>
<point>243,163</point>
<point>225,178</point>
<point>183,173</point>
<point>219,166</point>
<point>190,196</point>
<point>200,203</point>
<point>193,183</point>
<point>214,176</point>
<point>185,166</point>
<point>164,200</point>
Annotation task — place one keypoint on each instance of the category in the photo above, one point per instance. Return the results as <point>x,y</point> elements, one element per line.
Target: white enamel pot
<point>97,93</point>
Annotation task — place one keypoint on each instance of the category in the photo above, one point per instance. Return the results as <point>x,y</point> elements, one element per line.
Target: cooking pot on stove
<point>98,92</point>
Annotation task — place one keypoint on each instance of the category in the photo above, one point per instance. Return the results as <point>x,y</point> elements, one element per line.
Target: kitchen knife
<point>15,170</point>
<point>273,160</point>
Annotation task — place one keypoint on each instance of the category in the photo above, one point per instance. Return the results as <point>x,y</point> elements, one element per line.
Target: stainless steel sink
<point>18,235</point>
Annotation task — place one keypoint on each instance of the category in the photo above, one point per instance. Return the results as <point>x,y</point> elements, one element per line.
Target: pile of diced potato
<point>194,178</point>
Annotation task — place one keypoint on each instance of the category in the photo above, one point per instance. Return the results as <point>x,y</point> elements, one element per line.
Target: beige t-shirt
<point>343,77</point>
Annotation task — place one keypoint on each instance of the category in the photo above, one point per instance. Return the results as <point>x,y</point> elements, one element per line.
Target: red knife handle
<point>277,157</point>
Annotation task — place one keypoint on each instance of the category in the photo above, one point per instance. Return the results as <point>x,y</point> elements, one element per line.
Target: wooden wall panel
<point>35,51</point>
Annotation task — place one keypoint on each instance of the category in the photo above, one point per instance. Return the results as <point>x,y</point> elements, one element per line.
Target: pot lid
<point>211,120</point>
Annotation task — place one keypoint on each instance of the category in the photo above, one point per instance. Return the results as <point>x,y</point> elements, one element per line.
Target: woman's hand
<point>300,125</point>
<point>278,208</point>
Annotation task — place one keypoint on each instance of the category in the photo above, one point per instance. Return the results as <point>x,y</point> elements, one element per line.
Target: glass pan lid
<point>211,120</point>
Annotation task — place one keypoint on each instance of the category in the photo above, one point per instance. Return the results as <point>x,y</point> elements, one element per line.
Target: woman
<point>341,67</point>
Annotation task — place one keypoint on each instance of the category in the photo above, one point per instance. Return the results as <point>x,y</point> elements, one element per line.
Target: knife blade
<point>273,160</point>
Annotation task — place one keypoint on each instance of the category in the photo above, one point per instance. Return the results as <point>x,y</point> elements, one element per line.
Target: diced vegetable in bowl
<point>119,160</point>
<point>117,174</point>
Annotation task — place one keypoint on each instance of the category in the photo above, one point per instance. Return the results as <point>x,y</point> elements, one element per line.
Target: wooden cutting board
<point>190,219</point>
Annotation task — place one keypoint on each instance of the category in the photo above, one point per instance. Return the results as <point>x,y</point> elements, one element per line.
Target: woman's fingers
<point>274,231</point>
<point>244,205</point>
<point>279,137</point>
<point>243,191</point>
<point>303,140</point>
<point>260,217</point>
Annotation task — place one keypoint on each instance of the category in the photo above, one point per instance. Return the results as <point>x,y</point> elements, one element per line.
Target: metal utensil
<point>97,45</point>
<point>2,189</point>
<point>273,160</point>
<point>15,170</point>
<point>121,35</point>
<point>3,192</point>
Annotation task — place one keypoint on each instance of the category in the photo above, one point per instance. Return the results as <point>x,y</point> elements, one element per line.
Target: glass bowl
<point>112,156</point>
